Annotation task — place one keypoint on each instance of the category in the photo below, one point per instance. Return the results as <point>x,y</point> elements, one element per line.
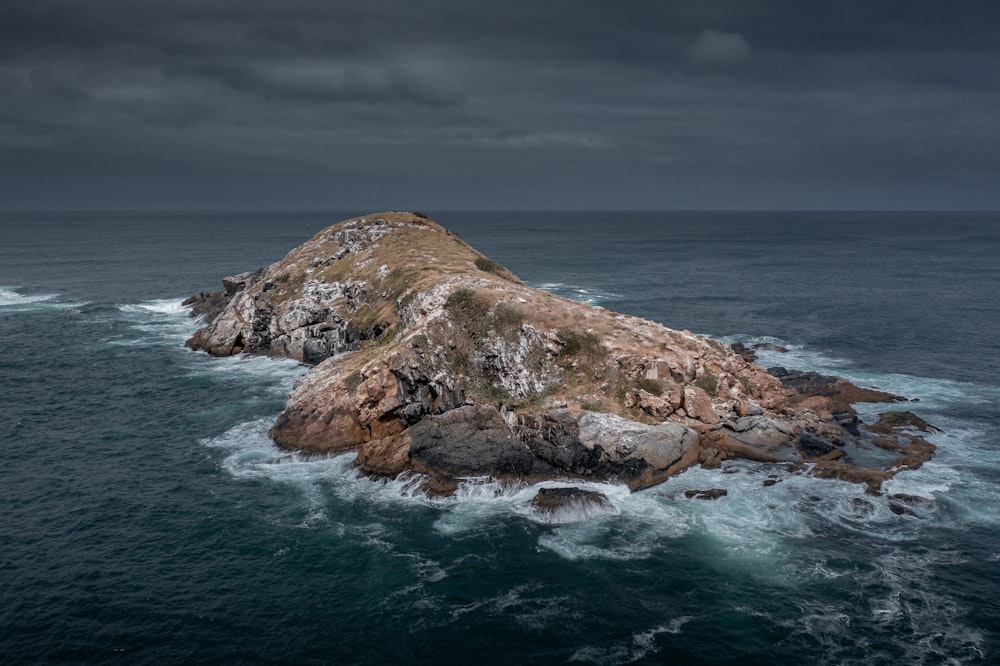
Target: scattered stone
<point>888,422</point>
<point>813,446</point>
<point>807,383</point>
<point>848,420</point>
<point>862,507</point>
<point>911,500</point>
<point>767,346</point>
<point>709,494</point>
<point>207,305</point>
<point>838,393</point>
<point>901,510</point>
<point>743,351</point>
<point>561,505</point>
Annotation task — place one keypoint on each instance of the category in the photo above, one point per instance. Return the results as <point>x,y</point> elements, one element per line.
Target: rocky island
<point>430,359</point>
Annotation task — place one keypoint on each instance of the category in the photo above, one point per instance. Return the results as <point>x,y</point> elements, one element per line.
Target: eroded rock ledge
<point>431,359</point>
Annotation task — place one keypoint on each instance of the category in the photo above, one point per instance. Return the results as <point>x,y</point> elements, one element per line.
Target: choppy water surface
<point>146,517</point>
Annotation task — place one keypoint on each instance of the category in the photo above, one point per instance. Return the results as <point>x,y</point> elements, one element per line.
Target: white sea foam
<point>797,356</point>
<point>156,321</point>
<point>12,302</point>
<point>930,393</point>
<point>9,297</point>
<point>749,528</point>
<point>164,306</point>
<point>168,320</point>
<point>966,450</point>
<point>587,295</point>
<point>636,647</point>
<point>756,530</point>
<point>522,604</point>
<point>253,455</point>
<point>750,524</point>
<point>912,619</point>
<point>273,375</point>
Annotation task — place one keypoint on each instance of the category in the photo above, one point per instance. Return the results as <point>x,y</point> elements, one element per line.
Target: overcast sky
<point>410,104</point>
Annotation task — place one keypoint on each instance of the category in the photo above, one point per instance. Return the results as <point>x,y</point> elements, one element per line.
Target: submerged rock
<point>564,505</point>
<point>709,494</point>
<point>432,359</point>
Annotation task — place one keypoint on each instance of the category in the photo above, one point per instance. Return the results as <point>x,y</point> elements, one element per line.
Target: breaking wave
<point>11,301</point>
<point>9,296</point>
<point>586,295</point>
<point>636,647</point>
<point>753,522</point>
<point>771,523</point>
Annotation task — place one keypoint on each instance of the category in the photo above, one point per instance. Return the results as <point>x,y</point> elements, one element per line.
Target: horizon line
<point>370,211</point>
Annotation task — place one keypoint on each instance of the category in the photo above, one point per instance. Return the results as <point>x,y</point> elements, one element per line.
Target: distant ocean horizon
<point>145,517</point>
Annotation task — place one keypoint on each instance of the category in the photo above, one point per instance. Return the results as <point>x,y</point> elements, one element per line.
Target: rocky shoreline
<point>430,359</point>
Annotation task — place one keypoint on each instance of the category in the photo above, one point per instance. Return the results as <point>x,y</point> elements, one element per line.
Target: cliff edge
<point>429,358</point>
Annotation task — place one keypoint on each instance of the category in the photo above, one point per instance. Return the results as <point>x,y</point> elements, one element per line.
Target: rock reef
<point>430,359</point>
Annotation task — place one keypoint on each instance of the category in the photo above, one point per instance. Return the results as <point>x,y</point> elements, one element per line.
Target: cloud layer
<point>717,49</point>
<point>441,104</point>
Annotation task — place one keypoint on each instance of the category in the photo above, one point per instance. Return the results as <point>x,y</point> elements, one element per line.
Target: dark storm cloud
<point>773,103</point>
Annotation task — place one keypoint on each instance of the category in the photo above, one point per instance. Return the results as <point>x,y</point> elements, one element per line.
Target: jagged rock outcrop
<point>431,359</point>
<point>559,505</point>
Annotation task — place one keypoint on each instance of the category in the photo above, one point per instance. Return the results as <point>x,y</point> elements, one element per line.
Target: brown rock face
<point>698,406</point>
<point>431,359</point>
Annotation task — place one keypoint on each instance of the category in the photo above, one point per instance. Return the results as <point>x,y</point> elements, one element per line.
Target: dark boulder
<point>910,500</point>
<point>901,510</point>
<point>207,305</point>
<point>847,420</point>
<point>570,504</point>
<point>889,422</point>
<point>767,346</point>
<point>472,441</point>
<point>237,283</point>
<point>807,383</point>
<point>862,507</point>
<point>743,351</point>
<point>708,494</point>
<point>813,446</point>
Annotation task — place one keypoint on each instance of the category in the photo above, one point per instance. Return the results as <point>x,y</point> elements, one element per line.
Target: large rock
<point>698,405</point>
<point>430,359</point>
<point>563,505</point>
<point>761,431</point>
<point>476,441</point>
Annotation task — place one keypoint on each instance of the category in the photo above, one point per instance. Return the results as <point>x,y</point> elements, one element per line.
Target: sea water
<point>145,516</point>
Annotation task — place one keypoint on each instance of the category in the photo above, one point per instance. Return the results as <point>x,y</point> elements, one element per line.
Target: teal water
<point>146,518</point>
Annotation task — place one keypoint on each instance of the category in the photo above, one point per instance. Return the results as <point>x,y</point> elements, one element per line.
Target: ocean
<point>146,518</point>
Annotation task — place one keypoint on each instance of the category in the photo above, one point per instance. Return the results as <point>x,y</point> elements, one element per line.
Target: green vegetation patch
<point>488,265</point>
<point>579,344</point>
<point>471,311</point>
<point>352,382</point>
<point>708,382</point>
<point>650,386</point>
<point>507,318</point>
<point>491,391</point>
